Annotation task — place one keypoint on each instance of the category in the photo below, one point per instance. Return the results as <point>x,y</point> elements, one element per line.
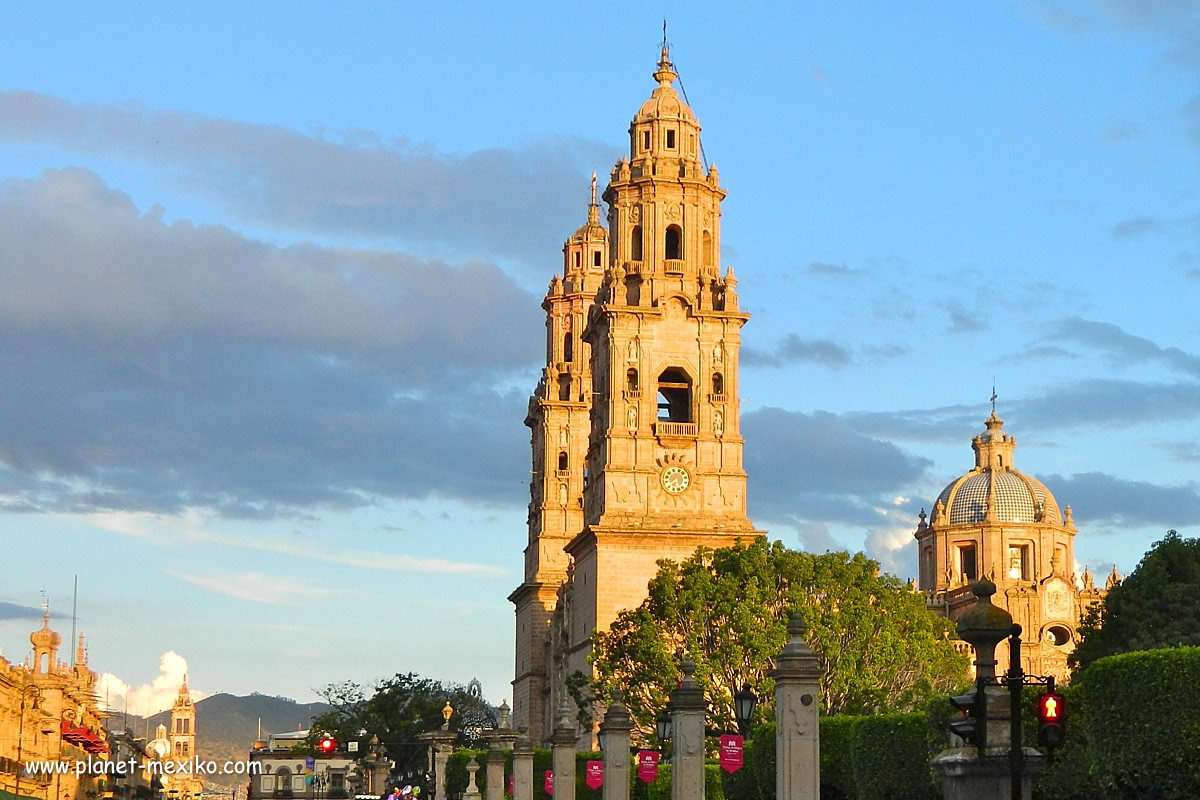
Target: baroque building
<point>636,444</point>
<point>49,715</point>
<point>999,523</point>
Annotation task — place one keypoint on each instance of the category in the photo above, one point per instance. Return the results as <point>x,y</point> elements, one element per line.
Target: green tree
<point>398,710</point>
<point>727,610</point>
<point>1158,605</point>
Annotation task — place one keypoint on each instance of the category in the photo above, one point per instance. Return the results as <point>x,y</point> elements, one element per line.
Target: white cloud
<point>149,698</point>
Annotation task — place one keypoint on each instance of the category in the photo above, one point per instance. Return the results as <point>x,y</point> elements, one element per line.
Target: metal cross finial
<point>993,395</point>
<point>664,33</point>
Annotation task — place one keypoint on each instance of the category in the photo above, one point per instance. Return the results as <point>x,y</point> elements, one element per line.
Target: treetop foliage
<point>727,610</point>
<point>1158,605</point>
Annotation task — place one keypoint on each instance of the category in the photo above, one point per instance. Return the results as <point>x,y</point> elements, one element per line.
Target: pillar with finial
<point>687,737</point>
<point>614,736</point>
<point>441,747</point>
<point>472,792</point>
<point>523,766</point>
<point>797,675</point>
<point>562,744</point>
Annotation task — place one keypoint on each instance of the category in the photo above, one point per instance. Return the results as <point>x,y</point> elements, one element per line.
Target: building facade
<point>636,444</point>
<point>48,715</point>
<point>279,773</point>
<point>999,523</point>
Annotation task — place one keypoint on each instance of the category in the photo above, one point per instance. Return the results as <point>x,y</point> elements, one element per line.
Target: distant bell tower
<point>183,725</point>
<point>660,472</point>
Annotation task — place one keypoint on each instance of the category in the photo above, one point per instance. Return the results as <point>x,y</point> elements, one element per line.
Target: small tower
<point>45,646</point>
<point>183,725</point>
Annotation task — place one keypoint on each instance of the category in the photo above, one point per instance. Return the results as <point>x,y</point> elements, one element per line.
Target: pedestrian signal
<point>1051,713</point>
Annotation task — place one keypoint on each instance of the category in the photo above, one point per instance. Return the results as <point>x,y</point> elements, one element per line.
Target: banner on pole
<point>647,761</point>
<point>594,777</point>
<point>731,752</point>
<point>548,784</point>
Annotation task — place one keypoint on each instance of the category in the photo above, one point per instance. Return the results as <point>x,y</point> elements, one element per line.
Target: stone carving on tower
<point>999,523</point>
<point>637,448</point>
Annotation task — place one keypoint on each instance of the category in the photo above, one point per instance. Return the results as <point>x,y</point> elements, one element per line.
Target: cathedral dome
<point>995,490</point>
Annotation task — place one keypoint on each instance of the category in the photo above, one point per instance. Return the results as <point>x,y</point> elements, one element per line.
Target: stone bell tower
<point>643,362</point>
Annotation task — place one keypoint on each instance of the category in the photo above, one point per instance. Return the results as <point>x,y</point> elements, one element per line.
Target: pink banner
<point>594,777</point>
<point>731,752</point>
<point>647,761</point>
<point>512,785</point>
<point>548,784</point>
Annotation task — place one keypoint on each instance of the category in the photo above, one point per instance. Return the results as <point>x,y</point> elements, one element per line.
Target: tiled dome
<point>1016,498</point>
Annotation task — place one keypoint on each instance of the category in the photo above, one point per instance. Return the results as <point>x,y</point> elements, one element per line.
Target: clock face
<point>675,479</point>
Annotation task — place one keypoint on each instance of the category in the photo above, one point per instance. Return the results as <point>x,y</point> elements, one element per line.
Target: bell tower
<point>558,419</point>
<point>637,447</point>
<point>183,725</point>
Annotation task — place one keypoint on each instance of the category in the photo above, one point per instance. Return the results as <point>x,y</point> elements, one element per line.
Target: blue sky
<point>272,283</point>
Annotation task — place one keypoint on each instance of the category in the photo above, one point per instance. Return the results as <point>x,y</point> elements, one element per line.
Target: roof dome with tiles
<point>994,491</point>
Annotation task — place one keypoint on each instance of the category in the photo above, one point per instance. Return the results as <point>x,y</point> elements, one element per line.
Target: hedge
<point>837,757</point>
<point>1140,714</point>
<point>891,758</point>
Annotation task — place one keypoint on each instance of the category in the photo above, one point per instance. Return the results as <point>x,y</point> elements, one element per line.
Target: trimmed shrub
<point>1141,717</point>
<point>837,757</point>
<point>891,758</point>
<point>756,779</point>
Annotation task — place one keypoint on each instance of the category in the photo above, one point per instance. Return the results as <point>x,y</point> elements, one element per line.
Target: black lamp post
<point>744,702</point>
<point>662,727</point>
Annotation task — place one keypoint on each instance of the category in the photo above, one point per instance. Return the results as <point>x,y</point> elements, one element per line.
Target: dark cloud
<point>793,350</point>
<point>1044,351</point>
<point>1096,497</point>
<point>1110,403</point>
<point>147,366</point>
<point>941,425</point>
<point>14,611</point>
<point>833,270</point>
<point>1138,226</point>
<point>816,467</point>
<point>964,321</point>
<point>1188,452</point>
<point>506,201</point>
<point>1122,348</point>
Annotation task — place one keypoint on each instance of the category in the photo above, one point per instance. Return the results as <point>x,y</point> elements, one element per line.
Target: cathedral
<point>637,450</point>
<point>998,523</point>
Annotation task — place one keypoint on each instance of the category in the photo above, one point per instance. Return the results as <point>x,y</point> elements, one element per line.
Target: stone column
<point>687,738</point>
<point>472,792</point>
<point>614,734</point>
<point>505,735</point>
<point>562,743</point>
<point>441,747</point>
<point>495,771</point>
<point>797,675</point>
<point>378,769</point>
<point>523,768</point>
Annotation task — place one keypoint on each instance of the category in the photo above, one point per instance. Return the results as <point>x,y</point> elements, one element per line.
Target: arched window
<point>631,380</point>
<point>718,383</point>
<point>568,347</point>
<point>635,243</point>
<point>562,460</point>
<point>674,396</point>
<point>673,244</point>
<point>706,242</point>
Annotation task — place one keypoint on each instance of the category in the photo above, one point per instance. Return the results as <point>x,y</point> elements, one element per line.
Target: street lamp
<point>662,727</point>
<point>743,708</point>
<point>36,694</point>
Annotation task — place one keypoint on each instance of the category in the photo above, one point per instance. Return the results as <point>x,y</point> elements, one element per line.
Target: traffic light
<point>972,726</point>
<point>327,744</point>
<point>1051,712</point>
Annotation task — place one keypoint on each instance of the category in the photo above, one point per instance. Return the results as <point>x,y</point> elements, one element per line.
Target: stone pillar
<point>614,734</point>
<point>378,769</point>
<point>472,792</point>
<point>797,675</point>
<point>523,768</point>
<point>505,735</point>
<point>687,738</point>
<point>495,771</point>
<point>562,743</point>
<point>441,747</point>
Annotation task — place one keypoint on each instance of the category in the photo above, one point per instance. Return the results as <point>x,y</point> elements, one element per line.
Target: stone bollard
<point>687,738</point>
<point>523,767</point>
<point>797,675</point>
<point>614,734</point>
<point>562,743</point>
